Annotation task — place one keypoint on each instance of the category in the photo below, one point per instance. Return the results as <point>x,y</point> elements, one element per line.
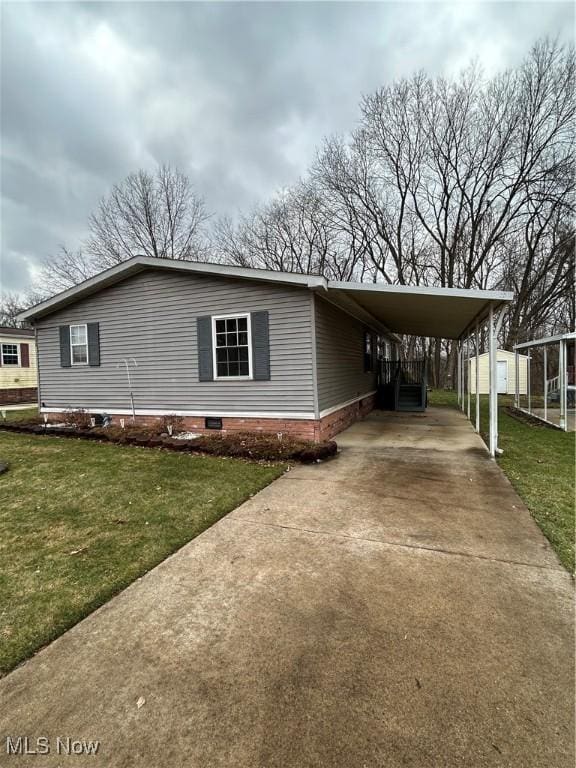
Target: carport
<point>558,379</point>
<point>461,315</point>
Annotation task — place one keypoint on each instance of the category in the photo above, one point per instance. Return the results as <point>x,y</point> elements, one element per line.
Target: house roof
<point>441,312</point>
<point>22,333</point>
<point>499,351</point>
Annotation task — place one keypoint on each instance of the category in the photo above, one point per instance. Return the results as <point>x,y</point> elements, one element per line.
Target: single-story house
<point>18,370</point>
<point>233,348</point>
<point>505,376</point>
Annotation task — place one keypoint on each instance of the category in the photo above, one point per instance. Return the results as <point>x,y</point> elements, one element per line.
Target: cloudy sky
<point>237,95</point>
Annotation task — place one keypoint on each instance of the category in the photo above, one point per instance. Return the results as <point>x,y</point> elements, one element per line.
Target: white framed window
<point>232,346</point>
<point>10,354</point>
<point>79,344</point>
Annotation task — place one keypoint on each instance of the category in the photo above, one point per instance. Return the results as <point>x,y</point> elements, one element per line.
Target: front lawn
<point>20,414</point>
<point>79,521</point>
<point>539,462</point>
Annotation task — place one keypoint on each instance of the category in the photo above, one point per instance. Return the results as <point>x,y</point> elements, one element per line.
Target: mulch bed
<point>255,446</point>
<point>526,418</point>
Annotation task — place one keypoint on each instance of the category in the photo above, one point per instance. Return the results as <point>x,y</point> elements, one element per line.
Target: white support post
<point>458,370</point>
<point>528,382</point>
<point>492,395</point>
<point>545,383</point>
<point>468,372</point>
<point>462,398</point>
<point>562,372</point>
<point>517,379</point>
<point>493,329</point>
<point>477,379</point>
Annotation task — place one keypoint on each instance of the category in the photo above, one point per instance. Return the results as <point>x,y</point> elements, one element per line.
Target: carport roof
<point>441,312</point>
<point>420,311</point>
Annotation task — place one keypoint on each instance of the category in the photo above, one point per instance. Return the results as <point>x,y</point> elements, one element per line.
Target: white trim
<point>462,293</point>
<point>328,411</point>
<point>236,316</point>
<point>224,414</point>
<point>546,340</point>
<point>501,351</point>
<point>10,344</point>
<point>72,345</point>
<point>194,414</point>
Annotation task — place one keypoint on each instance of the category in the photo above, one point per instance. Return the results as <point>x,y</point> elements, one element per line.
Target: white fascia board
<point>139,263</point>
<point>418,290</point>
<point>546,340</point>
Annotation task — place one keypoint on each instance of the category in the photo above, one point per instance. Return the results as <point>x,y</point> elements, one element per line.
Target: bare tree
<point>442,177</point>
<point>64,270</point>
<point>295,232</point>
<point>11,304</point>
<point>156,215</point>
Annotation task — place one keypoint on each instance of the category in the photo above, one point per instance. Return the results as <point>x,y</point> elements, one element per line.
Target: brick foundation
<point>305,429</point>
<point>22,395</point>
<point>335,422</point>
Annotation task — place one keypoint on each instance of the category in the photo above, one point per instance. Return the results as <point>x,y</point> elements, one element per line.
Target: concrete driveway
<point>394,607</point>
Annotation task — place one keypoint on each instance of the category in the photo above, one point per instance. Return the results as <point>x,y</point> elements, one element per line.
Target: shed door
<point>502,377</point>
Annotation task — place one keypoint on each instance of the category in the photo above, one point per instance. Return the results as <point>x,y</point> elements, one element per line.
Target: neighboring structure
<point>18,370</point>
<point>552,398</point>
<point>233,348</point>
<point>505,374</point>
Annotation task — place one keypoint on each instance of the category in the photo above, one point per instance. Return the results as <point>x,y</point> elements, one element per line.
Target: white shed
<point>506,373</point>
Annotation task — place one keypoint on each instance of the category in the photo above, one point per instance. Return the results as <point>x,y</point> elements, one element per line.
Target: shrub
<point>169,420</point>
<point>78,417</point>
<point>250,445</point>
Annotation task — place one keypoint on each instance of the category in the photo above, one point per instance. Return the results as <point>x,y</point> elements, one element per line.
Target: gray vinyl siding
<point>152,318</point>
<point>339,356</point>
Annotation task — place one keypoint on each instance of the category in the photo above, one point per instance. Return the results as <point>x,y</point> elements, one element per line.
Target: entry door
<point>502,377</point>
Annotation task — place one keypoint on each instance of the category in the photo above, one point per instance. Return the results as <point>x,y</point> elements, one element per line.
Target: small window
<point>232,352</point>
<point>10,354</point>
<point>79,344</point>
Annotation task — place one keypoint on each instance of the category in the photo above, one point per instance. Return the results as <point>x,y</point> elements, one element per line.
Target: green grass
<point>21,415</point>
<point>539,462</point>
<point>79,521</point>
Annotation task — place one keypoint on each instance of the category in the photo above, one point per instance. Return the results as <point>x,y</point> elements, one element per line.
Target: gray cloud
<point>238,95</point>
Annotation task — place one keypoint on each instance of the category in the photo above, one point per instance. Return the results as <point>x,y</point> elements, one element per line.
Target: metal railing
<point>400,378</point>
<point>404,371</point>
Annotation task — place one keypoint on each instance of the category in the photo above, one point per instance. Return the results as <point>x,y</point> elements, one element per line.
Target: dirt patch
<point>519,415</point>
<point>255,446</point>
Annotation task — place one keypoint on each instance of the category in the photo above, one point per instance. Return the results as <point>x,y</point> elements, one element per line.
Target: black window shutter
<point>204,335</point>
<point>65,360</point>
<point>260,346</point>
<point>25,355</point>
<point>93,331</point>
